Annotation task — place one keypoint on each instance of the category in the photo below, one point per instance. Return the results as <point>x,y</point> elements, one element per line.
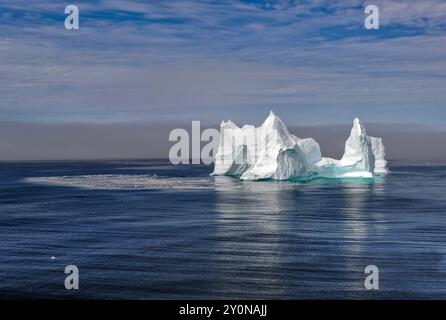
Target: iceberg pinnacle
<point>358,149</point>
<point>271,152</point>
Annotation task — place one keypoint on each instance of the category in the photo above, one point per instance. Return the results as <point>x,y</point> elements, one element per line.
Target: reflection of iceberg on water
<point>271,152</point>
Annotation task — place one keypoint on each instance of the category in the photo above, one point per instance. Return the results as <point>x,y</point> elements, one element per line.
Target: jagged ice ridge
<point>271,152</point>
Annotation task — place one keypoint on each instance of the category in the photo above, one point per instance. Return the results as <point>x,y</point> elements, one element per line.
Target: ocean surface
<point>151,230</point>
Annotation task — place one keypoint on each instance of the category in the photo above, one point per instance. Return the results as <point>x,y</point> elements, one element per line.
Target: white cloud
<point>152,57</point>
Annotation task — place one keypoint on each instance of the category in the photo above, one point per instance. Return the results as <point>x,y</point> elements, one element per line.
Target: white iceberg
<point>271,152</point>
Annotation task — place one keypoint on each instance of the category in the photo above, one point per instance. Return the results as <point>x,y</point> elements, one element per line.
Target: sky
<point>166,62</point>
<point>129,140</point>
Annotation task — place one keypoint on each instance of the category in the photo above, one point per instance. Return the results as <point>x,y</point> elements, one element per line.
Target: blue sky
<point>313,62</point>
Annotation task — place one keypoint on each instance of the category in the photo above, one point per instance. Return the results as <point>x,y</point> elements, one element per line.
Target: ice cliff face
<point>271,152</point>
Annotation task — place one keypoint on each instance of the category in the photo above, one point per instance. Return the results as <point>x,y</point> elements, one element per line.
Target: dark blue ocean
<point>150,230</point>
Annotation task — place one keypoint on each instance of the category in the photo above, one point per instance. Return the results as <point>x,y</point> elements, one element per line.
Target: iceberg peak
<point>358,149</point>
<point>228,125</point>
<point>271,152</point>
<point>272,120</point>
<point>358,127</point>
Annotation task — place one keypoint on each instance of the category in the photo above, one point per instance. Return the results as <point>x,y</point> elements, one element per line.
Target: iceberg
<point>270,151</point>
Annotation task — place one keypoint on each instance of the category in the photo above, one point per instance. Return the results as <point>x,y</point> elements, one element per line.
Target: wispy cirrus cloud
<point>160,60</point>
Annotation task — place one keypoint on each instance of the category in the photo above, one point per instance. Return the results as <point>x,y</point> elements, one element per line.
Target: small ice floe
<point>125,182</point>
